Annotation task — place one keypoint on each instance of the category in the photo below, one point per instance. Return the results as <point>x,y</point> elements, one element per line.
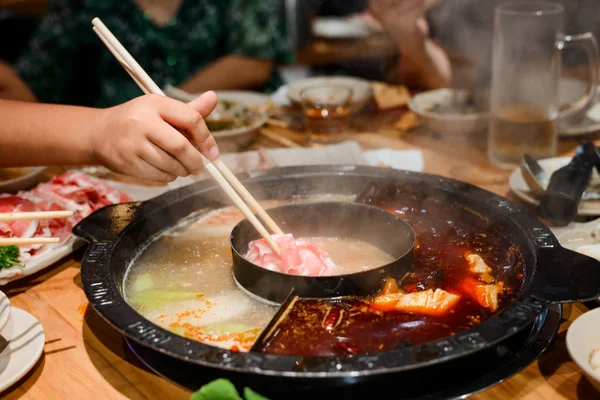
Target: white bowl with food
<point>14,179</point>
<point>583,344</point>
<point>442,113</point>
<point>237,118</point>
<point>362,91</point>
<point>235,125</point>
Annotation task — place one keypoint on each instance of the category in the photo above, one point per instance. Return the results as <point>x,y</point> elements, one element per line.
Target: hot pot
<point>118,233</point>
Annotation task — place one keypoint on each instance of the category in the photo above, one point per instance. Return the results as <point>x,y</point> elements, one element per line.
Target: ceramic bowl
<point>26,181</point>
<point>250,108</point>
<point>582,338</point>
<point>249,119</point>
<point>362,91</point>
<point>447,124</point>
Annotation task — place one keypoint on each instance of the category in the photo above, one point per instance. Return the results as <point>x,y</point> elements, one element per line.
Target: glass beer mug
<point>526,63</point>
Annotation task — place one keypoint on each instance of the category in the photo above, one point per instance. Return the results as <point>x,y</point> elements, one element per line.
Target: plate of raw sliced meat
<point>72,191</point>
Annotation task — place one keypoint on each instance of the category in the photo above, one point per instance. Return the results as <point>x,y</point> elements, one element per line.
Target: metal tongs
<point>562,192</point>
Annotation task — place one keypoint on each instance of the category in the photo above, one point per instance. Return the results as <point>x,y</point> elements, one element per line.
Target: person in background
<point>423,63</point>
<point>152,137</point>
<point>196,45</point>
<point>449,43</point>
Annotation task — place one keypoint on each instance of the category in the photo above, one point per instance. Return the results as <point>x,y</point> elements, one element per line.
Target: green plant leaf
<point>249,394</point>
<point>220,389</point>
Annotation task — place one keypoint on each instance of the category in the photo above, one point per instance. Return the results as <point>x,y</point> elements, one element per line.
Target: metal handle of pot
<point>565,276</point>
<point>107,223</point>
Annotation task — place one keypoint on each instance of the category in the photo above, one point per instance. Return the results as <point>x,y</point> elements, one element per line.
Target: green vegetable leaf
<point>9,257</point>
<point>249,394</point>
<point>221,389</point>
<point>143,282</point>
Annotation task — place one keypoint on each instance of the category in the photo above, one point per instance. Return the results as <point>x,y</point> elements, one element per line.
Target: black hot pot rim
<point>552,274</point>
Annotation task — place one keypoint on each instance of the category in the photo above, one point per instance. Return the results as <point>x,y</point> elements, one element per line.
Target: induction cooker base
<point>453,380</point>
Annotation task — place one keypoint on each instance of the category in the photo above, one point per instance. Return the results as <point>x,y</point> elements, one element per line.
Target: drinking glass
<point>526,63</point>
<point>326,109</point>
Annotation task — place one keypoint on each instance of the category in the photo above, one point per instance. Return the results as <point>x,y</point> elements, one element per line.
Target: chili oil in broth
<point>445,232</point>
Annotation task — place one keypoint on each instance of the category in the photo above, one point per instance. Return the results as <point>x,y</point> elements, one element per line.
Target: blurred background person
<point>422,63</point>
<point>449,43</point>
<point>196,45</point>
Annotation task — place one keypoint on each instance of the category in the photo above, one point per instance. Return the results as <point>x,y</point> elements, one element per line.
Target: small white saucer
<point>27,340</point>
<point>582,338</point>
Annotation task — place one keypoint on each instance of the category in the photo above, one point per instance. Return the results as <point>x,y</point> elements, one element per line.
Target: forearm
<point>230,72</point>
<point>427,69</point>
<point>12,87</point>
<point>42,134</point>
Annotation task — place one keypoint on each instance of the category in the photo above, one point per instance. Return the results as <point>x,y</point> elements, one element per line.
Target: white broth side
<point>183,282</point>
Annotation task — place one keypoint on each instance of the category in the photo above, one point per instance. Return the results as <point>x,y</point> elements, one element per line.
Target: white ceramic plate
<point>23,182</point>
<point>583,336</point>
<point>52,254</point>
<point>521,190</point>
<point>27,340</point>
<point>583,238</point>
<point>362,89</point>
<point>5,312</point>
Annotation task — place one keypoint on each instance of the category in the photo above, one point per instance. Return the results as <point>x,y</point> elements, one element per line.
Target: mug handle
<point>588,41</point>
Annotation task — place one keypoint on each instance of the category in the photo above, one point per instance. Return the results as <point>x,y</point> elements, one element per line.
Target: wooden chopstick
<point>269,134</point>
<point>19,216</point>
<point>218,170</point>
<point>278,122</point>
<point>32,240</point>
<point>121,61</point>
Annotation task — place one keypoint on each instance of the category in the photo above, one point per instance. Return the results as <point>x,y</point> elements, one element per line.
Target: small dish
<point>519,186</point>
<point>249,108</point>
<point>27,340</point>
<point>29,179</point>
<point>445,123</point>
<point>362,91</point>
<point>582,339</point>
<point>239,137</point>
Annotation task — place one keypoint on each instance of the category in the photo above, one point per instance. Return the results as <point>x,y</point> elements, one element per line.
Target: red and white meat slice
<point>71,191</point>
<point>22,229</point>
<point>298,257</point>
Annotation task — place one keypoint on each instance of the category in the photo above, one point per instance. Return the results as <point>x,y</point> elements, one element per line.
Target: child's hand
<point>154,137</point>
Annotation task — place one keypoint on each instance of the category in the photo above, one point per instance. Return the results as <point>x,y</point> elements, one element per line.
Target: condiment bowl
<point>583,337</point>
<point>372,225</point>
<point>450,124</point>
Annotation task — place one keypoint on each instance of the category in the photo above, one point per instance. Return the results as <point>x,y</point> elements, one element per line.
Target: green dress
<point>67,63</point>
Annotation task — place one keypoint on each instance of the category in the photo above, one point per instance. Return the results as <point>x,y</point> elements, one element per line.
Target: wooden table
<point>86,359</point>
